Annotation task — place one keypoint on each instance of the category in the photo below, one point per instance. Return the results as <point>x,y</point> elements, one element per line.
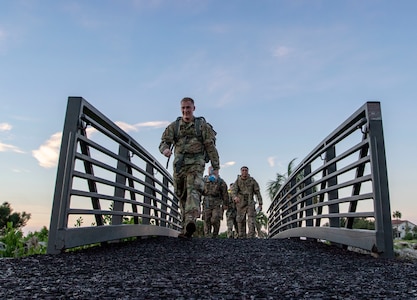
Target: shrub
<point>408,236</point>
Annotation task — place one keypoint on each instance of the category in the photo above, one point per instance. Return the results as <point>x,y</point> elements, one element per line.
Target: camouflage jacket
<point>190,148</point>
<point>246,189</point>
<point>216,190</point>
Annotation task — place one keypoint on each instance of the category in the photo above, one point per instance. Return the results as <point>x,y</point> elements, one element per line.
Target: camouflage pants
<point>212,214</point>
<point>188,185</point>
<point>243,212</point>
<point>231,222</point>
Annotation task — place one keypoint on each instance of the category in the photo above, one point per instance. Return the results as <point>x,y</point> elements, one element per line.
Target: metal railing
<point>341,182</point>
<point>108,187</point>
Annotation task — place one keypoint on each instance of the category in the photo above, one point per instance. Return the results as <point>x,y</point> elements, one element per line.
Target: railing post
<point>63,179</point>
<point>120,192</point>
<point>383,225</point>
<point>333,194</point>
<point>309,201</point>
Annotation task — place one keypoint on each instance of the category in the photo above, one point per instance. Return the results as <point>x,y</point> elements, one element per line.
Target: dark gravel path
<point>170,268</point>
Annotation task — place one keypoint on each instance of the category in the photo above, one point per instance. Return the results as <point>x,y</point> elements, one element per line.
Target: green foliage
<point>36,242</point>
<point>13,239</point>
<point>359,223</point>
<point>408,236</point>
<point>273,186</point>
<point>16,245</point>
<point>7,215</point>
<point>396,215</point>
<point>79,222</point>
<point>223,235</point>
<point>199,229</point>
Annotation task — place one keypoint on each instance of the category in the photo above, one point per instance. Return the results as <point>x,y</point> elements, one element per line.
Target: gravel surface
<point>170,268</point>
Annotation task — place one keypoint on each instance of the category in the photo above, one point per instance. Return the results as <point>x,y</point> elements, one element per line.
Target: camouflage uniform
<point>189,164</point>
<point>215,198</point>
<point>231,216</point>
<point>245,189</point>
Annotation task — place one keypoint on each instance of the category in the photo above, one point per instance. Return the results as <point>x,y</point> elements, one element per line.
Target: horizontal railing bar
<point>117,171</point>
<point>118,185</point>
<point>131,145</point>
<point>118,199</point>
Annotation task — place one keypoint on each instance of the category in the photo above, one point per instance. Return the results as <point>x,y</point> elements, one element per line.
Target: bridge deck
<point>208,269</point>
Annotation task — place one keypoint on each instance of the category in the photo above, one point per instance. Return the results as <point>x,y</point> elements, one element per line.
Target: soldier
<point>231,215</point>
<point>215,201</point>
<point>243,191</point>
<point>194,140</point>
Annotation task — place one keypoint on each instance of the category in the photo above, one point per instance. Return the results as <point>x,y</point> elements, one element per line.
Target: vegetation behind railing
<point>342,180</point>
<point>108,187</point>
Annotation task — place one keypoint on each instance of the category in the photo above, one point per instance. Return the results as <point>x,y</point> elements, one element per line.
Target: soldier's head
<point>187,109</point>
<point>244,172</point>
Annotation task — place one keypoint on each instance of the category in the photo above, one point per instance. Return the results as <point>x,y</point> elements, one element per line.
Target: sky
<point>273,77</point>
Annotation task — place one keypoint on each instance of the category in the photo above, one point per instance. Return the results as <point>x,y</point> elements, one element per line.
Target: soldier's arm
<point>210,147</point>
<point>235,190</point>
<point>167,138</point>
<point>225,194</point>
<point>258,193</point>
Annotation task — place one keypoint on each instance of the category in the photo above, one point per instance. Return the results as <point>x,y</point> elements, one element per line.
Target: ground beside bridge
<point>170,268</point>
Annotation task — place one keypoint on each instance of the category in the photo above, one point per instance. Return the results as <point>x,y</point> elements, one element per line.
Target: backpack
<point>197,124</point>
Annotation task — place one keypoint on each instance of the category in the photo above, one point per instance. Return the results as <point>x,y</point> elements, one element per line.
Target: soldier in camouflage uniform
<point>231,215</point>
<point>243,192</point>
<point>189,162</point>
<point>215,201</point>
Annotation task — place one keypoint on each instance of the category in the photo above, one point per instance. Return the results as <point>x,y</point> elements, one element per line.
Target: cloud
<point>9,148</point>
<point>228,164</point>
<point>48,153</point>
<point>135,127</point>
<point>5,127</point>
<point>271,161</point>
<point>20,171</point>
<point>126,127</point>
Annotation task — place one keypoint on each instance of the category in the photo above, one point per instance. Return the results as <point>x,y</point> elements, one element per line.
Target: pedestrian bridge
<point>112,188</point>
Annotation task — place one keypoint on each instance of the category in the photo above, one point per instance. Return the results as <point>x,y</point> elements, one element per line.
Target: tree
<point>273,186</point>
<point>7,215</point>
<point>396,215</point>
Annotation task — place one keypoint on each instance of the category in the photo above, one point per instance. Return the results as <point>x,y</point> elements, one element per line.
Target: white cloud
<point>48,153</point>
<point>229,164</point>
<point>126,127</point>
<point>11,148</point>
<point>271,161</point>
<point>5,127</point>
<point>20,171</point>
<point>135,127</point>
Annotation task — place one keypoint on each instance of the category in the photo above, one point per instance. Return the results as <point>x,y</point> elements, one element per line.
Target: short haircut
<point>244,167</point>
<point>186,99</point>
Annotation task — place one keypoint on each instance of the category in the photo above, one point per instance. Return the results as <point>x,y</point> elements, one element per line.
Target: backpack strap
<point>197,125</point>
<point>177,129</point>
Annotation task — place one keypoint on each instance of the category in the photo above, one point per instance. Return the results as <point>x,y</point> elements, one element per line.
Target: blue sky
<point>273,77</point>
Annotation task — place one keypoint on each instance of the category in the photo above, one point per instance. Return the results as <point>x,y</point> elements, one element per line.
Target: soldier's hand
<point>167,152</point>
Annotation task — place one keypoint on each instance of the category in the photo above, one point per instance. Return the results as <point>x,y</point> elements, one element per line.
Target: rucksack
<point>197,124</point>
